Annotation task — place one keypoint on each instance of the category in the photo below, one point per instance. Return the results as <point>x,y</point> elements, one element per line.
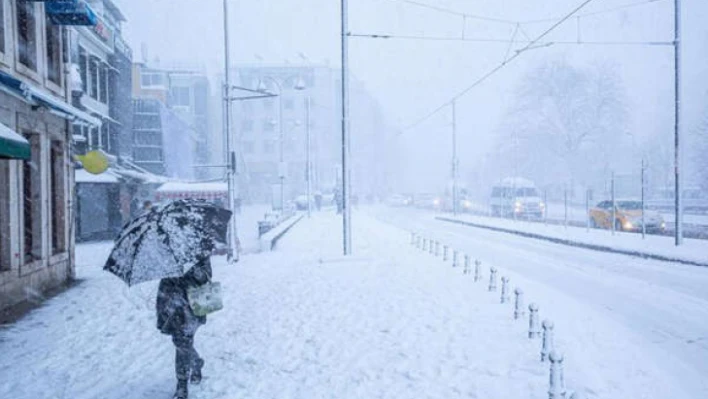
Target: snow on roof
<point>192,187</point>
<point>9,134</point>
<point>82,176</point>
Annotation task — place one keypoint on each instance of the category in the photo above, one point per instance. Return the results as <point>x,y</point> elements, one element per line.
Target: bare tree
<point>568,124</point>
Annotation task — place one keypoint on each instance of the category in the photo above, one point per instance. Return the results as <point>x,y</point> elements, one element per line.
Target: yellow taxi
<point>627,216</point>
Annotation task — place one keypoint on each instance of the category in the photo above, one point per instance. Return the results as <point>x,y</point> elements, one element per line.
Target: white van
<point>516,197</point>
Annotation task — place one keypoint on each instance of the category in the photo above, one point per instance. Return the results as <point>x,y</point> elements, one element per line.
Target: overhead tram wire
<point>453,12</point>
<point>498,40</point>
<point>487,75</point>
<point>598,12</point>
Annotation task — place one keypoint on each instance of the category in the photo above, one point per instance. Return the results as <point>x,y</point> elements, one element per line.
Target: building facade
<point>36,212</point>
<point>258,134</point>
<point>257,131</point>
<point>102,64</point>
<point>181,122</point>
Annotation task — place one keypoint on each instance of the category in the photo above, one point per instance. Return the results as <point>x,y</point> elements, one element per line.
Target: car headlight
<point>542,205</point>
<point>467,204</point>
<point>628,225</point>
<point>436,202</point>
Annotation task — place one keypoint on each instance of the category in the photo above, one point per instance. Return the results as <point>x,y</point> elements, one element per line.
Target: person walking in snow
<point>176,318</point>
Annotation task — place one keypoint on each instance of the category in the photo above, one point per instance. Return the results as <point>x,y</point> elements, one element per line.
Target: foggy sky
<point>412,77</point>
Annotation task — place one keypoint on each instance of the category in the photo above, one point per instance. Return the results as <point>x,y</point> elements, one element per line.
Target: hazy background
<point>413,77</point>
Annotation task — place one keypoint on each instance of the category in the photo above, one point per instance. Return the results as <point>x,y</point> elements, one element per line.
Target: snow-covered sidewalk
<point>304,322</point>
<point>659,247</point>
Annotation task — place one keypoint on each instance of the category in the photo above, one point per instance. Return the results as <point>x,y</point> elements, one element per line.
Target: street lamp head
<point>273,122</point>
<point>300,84</point>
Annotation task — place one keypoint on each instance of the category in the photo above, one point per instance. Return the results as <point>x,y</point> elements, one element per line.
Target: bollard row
<point>545,329</point>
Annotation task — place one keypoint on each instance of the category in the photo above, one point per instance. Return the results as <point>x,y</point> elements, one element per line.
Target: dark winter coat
<point>174,315</point>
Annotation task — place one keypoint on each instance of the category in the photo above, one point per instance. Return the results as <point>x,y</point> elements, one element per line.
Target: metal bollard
<point>547,339</point>
<point>505,290</point>
<point>477,270</point>
<point>557,380</point>
<point>425,244</point>
<point>412,238</point>
<point>437,248</point>
<point>492,279</point>
<point>467,269</point>
<point>534,328</point>
<point>431,250</point>
<point>454,258</point>
<point>519,304</point>
<point>444,253</point>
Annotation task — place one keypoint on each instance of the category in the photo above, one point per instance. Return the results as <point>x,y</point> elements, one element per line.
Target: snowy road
<point>301,322</point>
<point>390,322</point>
<point>664,305</point>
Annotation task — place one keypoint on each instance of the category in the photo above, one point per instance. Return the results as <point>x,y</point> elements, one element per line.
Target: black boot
<point>181,391</point>
<point>196,376</point>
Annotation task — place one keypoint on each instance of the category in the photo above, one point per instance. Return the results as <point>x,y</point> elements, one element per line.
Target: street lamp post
<point>346,209</point>
<point>299,85</point>
<point>230,153</point>
<point>455,201</point>
<point>308,167</point>
<point>678,200</point>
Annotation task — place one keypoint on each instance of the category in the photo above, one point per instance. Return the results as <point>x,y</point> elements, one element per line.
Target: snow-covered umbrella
<point>168,241</point>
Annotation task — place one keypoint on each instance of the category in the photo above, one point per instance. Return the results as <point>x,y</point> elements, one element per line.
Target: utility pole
<point>613,222</point>
<point>346,210</point>
<point>308,167</point>
<point>644,208</point>
<point>677,119</point>
<point>230,153</point>
<point>454,157</point>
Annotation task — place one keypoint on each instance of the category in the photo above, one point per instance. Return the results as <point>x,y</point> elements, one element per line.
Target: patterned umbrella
<point>168,241</point>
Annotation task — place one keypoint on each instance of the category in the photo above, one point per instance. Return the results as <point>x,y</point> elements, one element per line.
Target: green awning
<point>12,145</point>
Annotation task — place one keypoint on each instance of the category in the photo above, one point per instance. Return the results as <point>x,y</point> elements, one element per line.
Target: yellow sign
<point>94,162</point>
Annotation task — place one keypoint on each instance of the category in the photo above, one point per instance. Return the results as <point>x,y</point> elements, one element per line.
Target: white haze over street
<point>413,77</point>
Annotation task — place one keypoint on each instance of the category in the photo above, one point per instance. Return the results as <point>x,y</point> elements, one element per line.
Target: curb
<point>579,244</point>
<point>270,239</point>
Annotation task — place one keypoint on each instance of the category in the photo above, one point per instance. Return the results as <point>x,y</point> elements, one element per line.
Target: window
<point>269,147</point>
<point>103,95</point>
<point>58,198</point>
<point>146,106</point>
<point>149,79</point>
<point>268,104</point>
<point>201,99</point>
<point>526,192</point>
<point>27,34</point>
<point>5,251</point>
<point>94,77</point>
<point>268,125</point>
<point>104,139</point>
<point>93,138</point>
<point>147,154</point>
<point>83,69</point>
<point>247,147</point>
<point>288,103</point>
<point>148,139</point>
<point>181,96</point>
<point>53,52</point>
<point>2,32</point>
<point>247,125</point>
<point>32,201</point>
<point>147,122</point>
